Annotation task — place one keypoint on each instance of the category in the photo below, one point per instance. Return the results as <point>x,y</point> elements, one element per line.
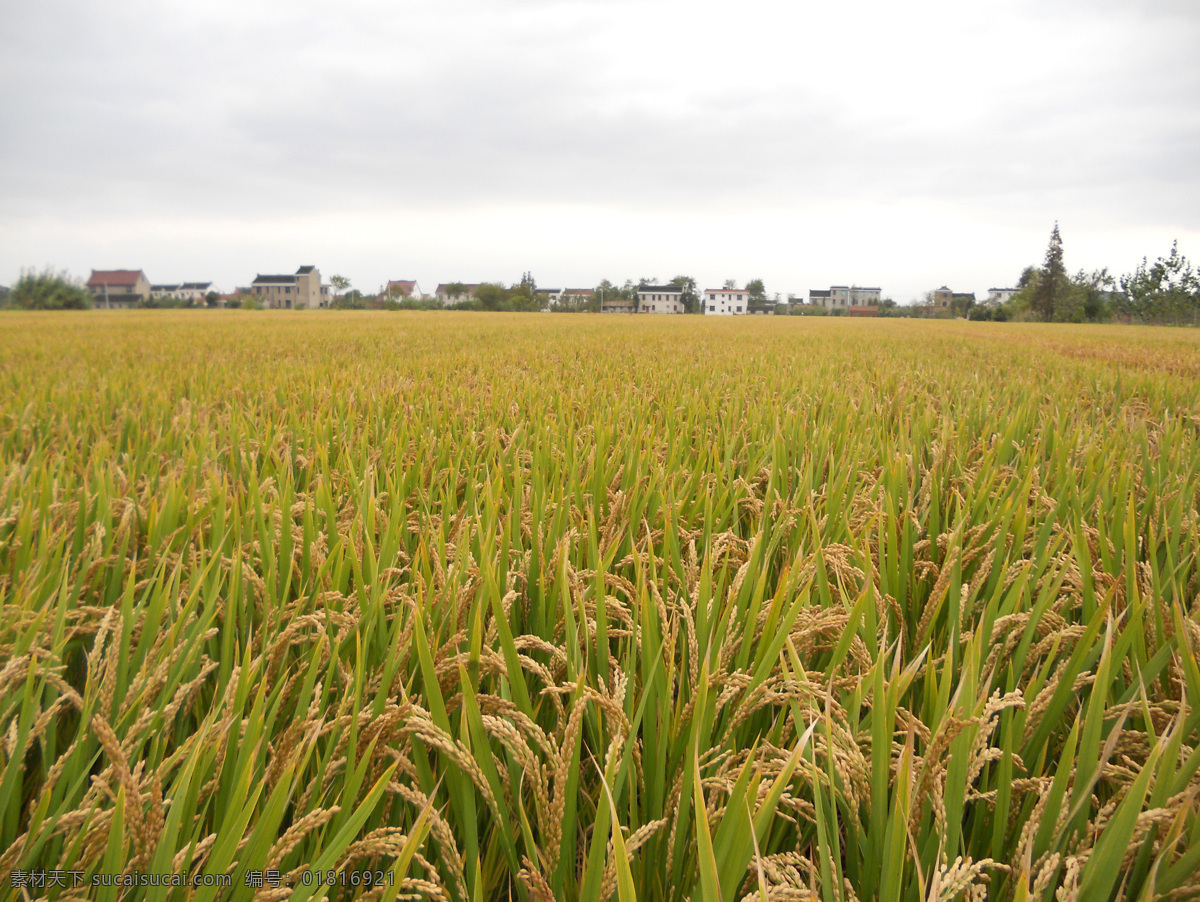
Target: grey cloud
<point>127,109</point>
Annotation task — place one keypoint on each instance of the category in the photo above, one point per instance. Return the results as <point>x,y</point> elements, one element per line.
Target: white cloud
<point>899,144</point>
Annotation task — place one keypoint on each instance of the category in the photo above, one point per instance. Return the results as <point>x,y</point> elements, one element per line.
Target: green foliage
<point>1166,291</point>
<point>812,610</point>
<point>245,302</point>
<point>212,299</point>
<point>1087,298</point>
<point>49,290</point>
<point>1052,281</point>
<point>407,303</point>
<point>165,302</point>
<point>352,300</point>
<point>690,296</point>
<point>757,291</point>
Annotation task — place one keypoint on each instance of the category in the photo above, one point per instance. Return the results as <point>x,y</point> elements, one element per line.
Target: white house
<point>575,295</point>
<point>182,291</point>
<point>405,288</point>
<point>660,299</point>
<point>726,301</point>
<point>998,296</point>
<point>449,293</point>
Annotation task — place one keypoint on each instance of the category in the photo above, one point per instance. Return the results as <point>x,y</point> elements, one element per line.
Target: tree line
<point>1165,292</point>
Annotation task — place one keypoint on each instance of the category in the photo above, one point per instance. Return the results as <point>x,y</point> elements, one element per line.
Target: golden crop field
<point>482,607</point>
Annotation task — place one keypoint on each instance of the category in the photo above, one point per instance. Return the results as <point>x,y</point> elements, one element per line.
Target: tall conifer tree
<point>1053,279</point>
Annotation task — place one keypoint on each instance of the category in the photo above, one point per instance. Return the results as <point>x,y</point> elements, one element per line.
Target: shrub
<point>49,290</point>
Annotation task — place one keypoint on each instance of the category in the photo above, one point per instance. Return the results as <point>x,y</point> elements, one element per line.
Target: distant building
<point>302,291</point>
<point>407,288</point>
<point>617,304</point>
<point>942,298</point>
<point>844,297</point>
<point>765,308</point>
<point>726,301</point>
<point>660,299</point>
<point>945,299</point>
<point>115,288</point>
<point>575,295</point>
<point>555,296</point>
<point>455,292</point>
<point>182,291</point>
<point>998,296</point>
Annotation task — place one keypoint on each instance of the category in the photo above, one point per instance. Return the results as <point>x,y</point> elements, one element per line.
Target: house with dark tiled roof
<point>117,288</point>
<point>660,299</point>
<point>301,291</point>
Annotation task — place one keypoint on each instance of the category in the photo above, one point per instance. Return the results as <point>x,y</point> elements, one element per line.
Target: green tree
<point>49,290</point>
<point>757,291</point>
<point>731,283</point>
<point>491,295</point>
<point>1088,297</point>
<point>455,291</point>
<point>1052,285</point>
<point>1165,291</point>
<point>212,299</point>
<point>351,300</point>
<point>339,283</point>
<point>691,298</point>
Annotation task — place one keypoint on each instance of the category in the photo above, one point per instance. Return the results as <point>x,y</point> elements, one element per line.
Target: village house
<point>116,288</point>
<point>844,297</point>
<point>575,295</point>
<point>944,298</point>
<point>617,304</point>
<point>998,296</point>
<point>406,288</point>
<point>660,299</point>
<point>726,301</point>
<point>448,293</point>
<point>302,291</point>
<point>182,291</point>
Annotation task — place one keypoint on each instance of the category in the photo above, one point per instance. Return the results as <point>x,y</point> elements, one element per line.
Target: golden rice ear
<point>469,606</point>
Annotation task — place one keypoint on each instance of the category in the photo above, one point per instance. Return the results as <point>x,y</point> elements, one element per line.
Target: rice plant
<point>466,607</point>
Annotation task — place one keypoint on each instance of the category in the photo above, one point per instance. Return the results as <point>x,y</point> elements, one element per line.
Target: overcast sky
<point>903,145</point>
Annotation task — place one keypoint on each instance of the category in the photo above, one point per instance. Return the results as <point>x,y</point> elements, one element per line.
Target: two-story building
<point>117,288</point>
<point>660,299</point>
<point>844,297</point>
<point>302,291</point>
<point>726,301</point>
<point>998,296</point>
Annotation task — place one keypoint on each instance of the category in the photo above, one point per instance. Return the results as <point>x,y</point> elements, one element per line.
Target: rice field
<point>469,607</point>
